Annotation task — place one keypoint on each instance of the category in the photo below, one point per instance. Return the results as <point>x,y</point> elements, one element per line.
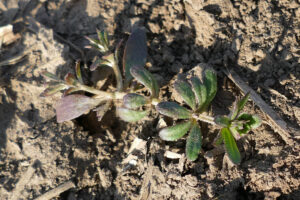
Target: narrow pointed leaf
<point>193,142</point>
<point>200,91</point>
<point>174,110</point>
<point>222,121</point>
<point>133,101</point>
<point>210,82</point>
<point>72,106</point>
<point>135,53</point>
<point>50,76</point>
<point>146,78</point>
<point>103,39</point>
<point>51,90</point>
<point>78,72</point>
<point>175,132</point>
<point>131,115</point>
<point>70,79</point>
<point>239,106</point>
<point>230,146</point>
<point>185,91</point>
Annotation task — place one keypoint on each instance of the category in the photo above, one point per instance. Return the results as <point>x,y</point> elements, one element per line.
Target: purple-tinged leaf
<point>70,79</point>
<point>175,132</point>
<point>131,115</point>
<point>72,106</point>
<point>135,53</point>
<point>184,89</point>
<point>173,110</point>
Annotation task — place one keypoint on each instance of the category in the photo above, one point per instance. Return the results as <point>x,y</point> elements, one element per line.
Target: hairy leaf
<point>145,78</point>
<point>185,91</point>
<point>175,132</point>
<point>239,106</point>
<point>130,115</point>
<point>200,91</point>
<point>133,101</point>
<point>210,82</point>
<point>174,110</point>
<point>230,146</point>
<point>72,106</point>
<point>135,53</point>
<point>222,121</point>
<point>193,143</point>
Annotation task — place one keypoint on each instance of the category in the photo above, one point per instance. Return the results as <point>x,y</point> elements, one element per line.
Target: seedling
<point>79,98</point>
<point>197,96</point>
<point>234,126</point>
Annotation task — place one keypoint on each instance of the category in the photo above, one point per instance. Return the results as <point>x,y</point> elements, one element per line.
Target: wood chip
<point>278,124</point>
<point>56,191</point>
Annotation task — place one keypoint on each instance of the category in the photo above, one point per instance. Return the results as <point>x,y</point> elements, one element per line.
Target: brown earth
<point>260,40</point>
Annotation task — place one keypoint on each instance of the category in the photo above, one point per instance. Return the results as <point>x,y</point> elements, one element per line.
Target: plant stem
<point>205,118</point>
<point>118,76</point>
<point>94,91</point>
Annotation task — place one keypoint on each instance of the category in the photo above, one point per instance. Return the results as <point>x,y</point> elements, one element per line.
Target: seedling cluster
<point>197,93</point>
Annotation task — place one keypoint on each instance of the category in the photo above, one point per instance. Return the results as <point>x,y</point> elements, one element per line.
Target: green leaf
<point>230,146</point>
<point>219,140</point>
<point>135,53</point>
<point>193,143</point>
<point>133,101</point>
<point>53,89</point>
<point>50,76</point>
<point>210,82</point>
<point>145,78</point>
<point>174,110</point>
<point>185,91</point>
<point>130,115</point>
<point>103,39</point>
<point>238,107</point>
<point>78,72</point>
<point>175,132</point>
<point>222,121</point>
<point>200,91</point>
<point>72,106</point>
<point>252,120</point>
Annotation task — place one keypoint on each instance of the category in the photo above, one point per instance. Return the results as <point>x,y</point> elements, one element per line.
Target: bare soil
<point>260,40</point>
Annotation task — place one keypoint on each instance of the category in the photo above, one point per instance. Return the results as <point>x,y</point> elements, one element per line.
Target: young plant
<point>75,100</point>
<point>234,126</point>
<point>197,96</point>
<point>79,98</point>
